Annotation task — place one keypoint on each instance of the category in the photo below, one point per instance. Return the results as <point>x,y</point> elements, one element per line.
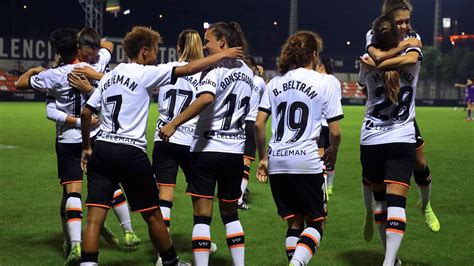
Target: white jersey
<point>221,126</point>
<point>337,87</point>
<point>298,101</point>
<point>256,97</point>
<point>68,99</point>
<point>123,99</point>
<point>104,57</point>
<point>174,99</point>
<point>384,121</point>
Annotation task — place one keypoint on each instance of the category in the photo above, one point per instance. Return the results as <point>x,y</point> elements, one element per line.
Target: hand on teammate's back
<point>80,82</point>
<point>89,72</point>
<point>86,154</point>
<point>95,121</point>
<point>367,60</point>
<point>167,131</point>
<point>262,172</point>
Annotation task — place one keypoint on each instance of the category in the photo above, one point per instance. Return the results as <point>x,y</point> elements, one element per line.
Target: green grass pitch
<point>30,231</point>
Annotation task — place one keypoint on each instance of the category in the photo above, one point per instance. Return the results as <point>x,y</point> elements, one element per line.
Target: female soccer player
<point>222,104</point>
<point>400,11</point>
<point>469,97</point>
<point>123,97</point>
<point>98,54</point>
<point>388,138</point>
<point>297,101</point>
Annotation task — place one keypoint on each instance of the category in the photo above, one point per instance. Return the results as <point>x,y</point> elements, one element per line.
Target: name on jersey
<point>296,85</point>
<point>194,82</point>
<point>113,137</point>
<point>237,76</point>
<point>284,153</point>
<point>119,79</point>
<point>407,76</point>
<point>211,134</point>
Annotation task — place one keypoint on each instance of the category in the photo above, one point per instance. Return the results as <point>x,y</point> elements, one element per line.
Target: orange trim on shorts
<point>421,147</point>
<point>395,231</point>
<point>396,182</point>
<point>247,172</point>
<point>291,248</point>
<point>166,219</point>
<point>147,209</point>
<point>74,209</point>
<point>120,204</point>
<point>166,185</point>
<point>224,200</point>
<point>250,158</point>
<point>97,205</point>
<point>74,220</point>
<point>234,235</point>
<point>379,212</point>
<point>288,216</point>
<point>201,238</point>
<point>318,219</point>
<point>70,182</point>
<point>237,246</point>
<point>202,250</point>
<point>313,238</point>
<point>381,222</point>
<point>396,219</point>
<point>305,246</point>
<point>118,194</point>
<point>200,196</point>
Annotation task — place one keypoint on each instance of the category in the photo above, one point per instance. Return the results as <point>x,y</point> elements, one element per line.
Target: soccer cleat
<point>430,218</point>
<point>398,262</point>
<point>329,190</point>
<point>74,256</point>
<point>213,247</point>
<point>246,196</point>
<point>242,206</point>
<point>368,227</point>
<point>109,236</point>
<point>131,239</point>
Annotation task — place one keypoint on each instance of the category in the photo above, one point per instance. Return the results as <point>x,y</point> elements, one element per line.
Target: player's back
<point>298,100</point>
<point>220,126</point>
<point>123,95</point>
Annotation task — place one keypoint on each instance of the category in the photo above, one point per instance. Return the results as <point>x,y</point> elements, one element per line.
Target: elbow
<point>259,126</point>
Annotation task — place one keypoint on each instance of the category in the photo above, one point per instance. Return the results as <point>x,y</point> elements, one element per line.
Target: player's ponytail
<point>190,46</point>
<point>298,51</point>
<point>386,36</point>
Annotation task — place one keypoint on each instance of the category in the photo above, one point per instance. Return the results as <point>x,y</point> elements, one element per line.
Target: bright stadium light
<point>205,25</point>
<point>126,12</point>
<point>275,23</point>
<point>24,6</point>
<point>348,43</point>
<point>161,16</point>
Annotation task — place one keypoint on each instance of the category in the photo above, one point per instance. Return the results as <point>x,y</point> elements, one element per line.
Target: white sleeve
<point>104,59</point>
<point>368,39</point>
<point>332,109</point>
<point>254,103</point>
<point>52,113</point>
<point>209,83</point>
<point>414,48</point>
<point>42,81</point>
<point>95,101</point>
<point>265,101</point>
<point>158,76</point>
<point>362,75</point>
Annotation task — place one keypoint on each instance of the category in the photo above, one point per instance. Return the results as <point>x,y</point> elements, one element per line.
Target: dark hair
<point>138,38</point>
<point>390,6</point>
<point>64,43</point>
<point>327,63</point>
<point>232,33</point>
<point>88,37</point>
<point>386,36</point>
<point>298,50</point>
<point>190,46</point>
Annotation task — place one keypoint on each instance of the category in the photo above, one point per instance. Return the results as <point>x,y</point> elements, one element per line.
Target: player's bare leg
<point>293,233</point>
<point>423,180</point>
<point>90,247</point>
<point>233,230</point>
<point>368,227</point>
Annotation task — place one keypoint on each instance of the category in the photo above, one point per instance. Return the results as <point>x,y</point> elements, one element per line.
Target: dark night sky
<point>336,21</point>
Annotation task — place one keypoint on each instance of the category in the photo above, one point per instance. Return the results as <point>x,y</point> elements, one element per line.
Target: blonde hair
<point>190,46</point>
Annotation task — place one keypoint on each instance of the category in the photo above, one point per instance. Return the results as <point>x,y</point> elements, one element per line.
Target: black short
<point>167,157</point>
<point>323,141</point>
<point>69,162</point>
<point>209,168</point>
<point>389,163</point>
<point>111,164</point>
<point>303,194</point>
<point>250,145</point>
<point>419,139</point>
